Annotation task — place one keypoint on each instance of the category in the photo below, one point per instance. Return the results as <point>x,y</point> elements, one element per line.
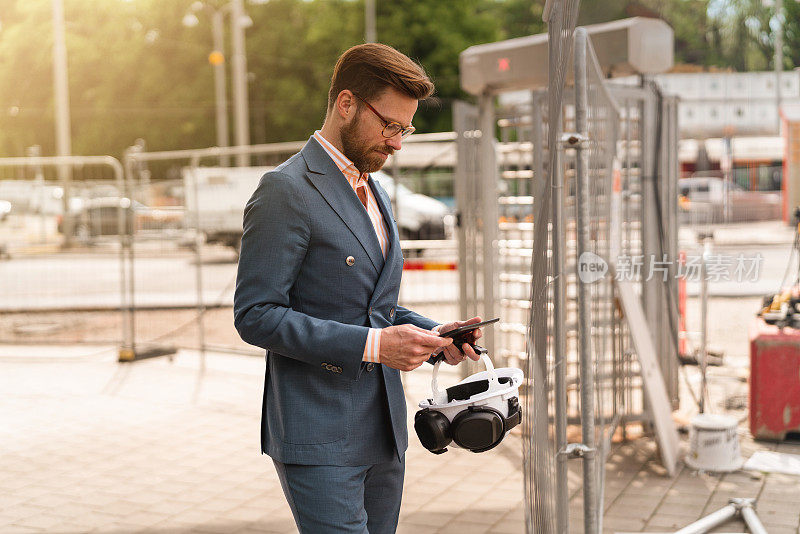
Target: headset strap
<point>494,383</point>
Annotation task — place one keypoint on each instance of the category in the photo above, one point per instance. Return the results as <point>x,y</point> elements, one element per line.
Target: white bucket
<point>714,443</point>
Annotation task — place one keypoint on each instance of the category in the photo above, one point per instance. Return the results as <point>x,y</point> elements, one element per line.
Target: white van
<point>216,197</point>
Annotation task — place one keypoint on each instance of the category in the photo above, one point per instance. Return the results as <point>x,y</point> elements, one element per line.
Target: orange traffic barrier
<point>429,266</point>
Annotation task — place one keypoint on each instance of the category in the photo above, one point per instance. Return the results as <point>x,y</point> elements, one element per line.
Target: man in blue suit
<point>317,287</point>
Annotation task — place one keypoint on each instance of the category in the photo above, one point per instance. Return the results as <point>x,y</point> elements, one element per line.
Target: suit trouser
<point>342,499</point>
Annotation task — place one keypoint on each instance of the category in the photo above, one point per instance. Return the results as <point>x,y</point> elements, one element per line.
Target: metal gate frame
<point>648,229</point>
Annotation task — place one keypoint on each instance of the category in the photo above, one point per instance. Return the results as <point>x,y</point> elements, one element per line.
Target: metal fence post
<point>198,258</point>
<point>127,258</point>
<point>488,212</point>
<point>460,110</point>
<point>584,296</point>
<point>539,482</point>
<point>559,339</point>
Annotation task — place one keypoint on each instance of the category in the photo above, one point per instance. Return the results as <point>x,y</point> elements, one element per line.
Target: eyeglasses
<point>390,128</point>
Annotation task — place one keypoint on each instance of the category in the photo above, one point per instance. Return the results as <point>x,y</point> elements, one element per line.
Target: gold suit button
<point>391,312</point>
<point>370,366</point>
<point>350,261</point>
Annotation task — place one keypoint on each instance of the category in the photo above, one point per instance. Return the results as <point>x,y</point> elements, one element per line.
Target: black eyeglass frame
<point>398,128</point>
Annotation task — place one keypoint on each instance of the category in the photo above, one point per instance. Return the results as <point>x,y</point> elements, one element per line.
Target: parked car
<point>418,216</point>
<point>98,217</point>
<point>702,200</point>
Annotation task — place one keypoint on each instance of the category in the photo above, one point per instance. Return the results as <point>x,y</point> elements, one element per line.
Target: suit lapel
<point>326,177</point>
<point>394,256</point>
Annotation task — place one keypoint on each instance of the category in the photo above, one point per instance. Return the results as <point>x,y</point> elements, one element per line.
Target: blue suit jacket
<point>299,298</point>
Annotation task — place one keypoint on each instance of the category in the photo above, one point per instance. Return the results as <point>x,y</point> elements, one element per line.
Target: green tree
<point>435,33</point>
<point>134,71</point>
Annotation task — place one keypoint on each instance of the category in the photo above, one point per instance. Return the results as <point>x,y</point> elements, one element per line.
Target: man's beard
<point>362,156</point>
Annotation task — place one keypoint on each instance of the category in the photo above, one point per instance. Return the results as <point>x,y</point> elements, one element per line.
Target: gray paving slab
<point>163,446</point>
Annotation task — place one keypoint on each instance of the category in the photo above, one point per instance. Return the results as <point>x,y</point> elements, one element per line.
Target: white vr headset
<point>475,414</point>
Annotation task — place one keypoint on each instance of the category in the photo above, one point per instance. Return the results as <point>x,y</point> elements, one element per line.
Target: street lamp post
<point>217,59</point>
<point>369,22</point>
<point>239,21</point>
<point>61,91</point>
<point>239,70</point>
<point>778,57</point>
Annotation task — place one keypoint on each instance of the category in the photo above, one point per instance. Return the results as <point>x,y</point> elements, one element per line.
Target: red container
<point>774,381</point>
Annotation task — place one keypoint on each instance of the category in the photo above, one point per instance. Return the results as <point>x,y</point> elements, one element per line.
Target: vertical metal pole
<point>241,117</point>
<point>649,220</point>
<point>626,181</point>
<point>584,294</point>
<point>488,191</point>
<point>672,180</point>
<point>460,109</point>
<point>559,338</point>
<point>198,256</point>
<point>396,193</point>
<point>370,34</point>
<point>704,323</point>
<point>537,158</point>
<point>778,58</point>
<point>129,332</point>
<point>61,92</point>
<point>126,348</point>
<point>220,90</point>
<point>558,246</point>
<point>538,476</point>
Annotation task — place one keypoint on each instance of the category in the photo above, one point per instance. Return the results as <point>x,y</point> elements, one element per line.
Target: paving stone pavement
<point>167,446</point>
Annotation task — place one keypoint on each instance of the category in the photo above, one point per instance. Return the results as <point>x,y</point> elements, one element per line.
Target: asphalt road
<point>169,278</point>
<point>94,279</point>
<point>166,278</point>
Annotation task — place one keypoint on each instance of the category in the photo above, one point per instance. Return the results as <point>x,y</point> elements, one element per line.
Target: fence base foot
<point>127,355</point>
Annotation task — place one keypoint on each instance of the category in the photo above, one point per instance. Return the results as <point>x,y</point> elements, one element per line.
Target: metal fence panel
<point>60,262</point>
<point>181,290</point>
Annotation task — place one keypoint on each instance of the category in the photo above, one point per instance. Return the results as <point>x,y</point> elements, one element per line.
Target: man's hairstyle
<point>368,69</point>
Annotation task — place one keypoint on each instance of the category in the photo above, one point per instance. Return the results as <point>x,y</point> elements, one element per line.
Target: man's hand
<point>452,354</point>
<point>406,347</point>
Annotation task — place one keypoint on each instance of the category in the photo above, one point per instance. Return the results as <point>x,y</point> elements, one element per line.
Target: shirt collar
<point>342,162</point>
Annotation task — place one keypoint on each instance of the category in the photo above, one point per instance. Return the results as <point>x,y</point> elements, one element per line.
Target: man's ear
<point>345,105</point>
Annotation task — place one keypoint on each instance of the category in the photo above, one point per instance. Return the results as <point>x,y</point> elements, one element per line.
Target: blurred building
<point>742,106</point>
<point>715,104</point>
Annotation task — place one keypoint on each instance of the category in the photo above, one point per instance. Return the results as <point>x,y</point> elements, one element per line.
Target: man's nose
<point>395,141</point>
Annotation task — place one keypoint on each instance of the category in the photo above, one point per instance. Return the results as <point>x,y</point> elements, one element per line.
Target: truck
<point>216,197</point>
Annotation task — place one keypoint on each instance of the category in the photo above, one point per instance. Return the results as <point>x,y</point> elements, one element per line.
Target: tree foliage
<point>135,71</point>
